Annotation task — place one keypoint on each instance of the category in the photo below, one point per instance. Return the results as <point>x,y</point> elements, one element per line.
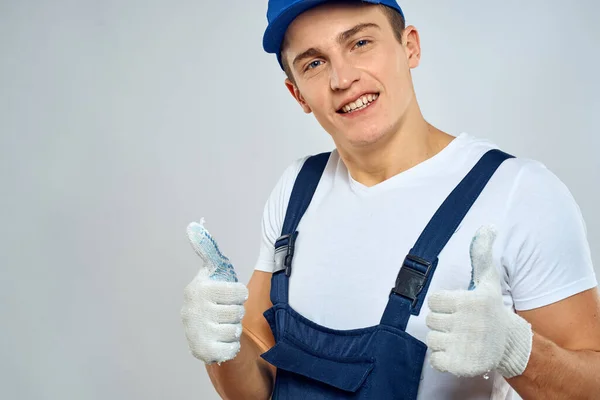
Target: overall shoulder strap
<point>304,188</point>
<point>419,265</point>
<point>302,193</point>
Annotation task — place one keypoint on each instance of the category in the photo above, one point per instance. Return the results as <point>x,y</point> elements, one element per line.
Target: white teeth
<point>360,103</point>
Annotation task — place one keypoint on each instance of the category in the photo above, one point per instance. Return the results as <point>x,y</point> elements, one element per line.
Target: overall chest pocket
<point>344,374</point>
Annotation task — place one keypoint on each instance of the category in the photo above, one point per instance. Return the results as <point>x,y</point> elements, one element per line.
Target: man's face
<point>351,71</point>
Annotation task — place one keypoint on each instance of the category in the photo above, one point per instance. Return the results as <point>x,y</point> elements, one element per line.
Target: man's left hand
<point>472,332</point>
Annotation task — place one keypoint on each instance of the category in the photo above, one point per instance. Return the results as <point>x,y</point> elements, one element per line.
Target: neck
<point>411,145</point>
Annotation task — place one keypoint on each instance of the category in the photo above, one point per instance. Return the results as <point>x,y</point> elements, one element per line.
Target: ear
<point>297,95</point>
<point>412,46</point>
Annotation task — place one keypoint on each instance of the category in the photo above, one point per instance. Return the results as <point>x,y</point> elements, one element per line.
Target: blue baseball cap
<point>281,13</point>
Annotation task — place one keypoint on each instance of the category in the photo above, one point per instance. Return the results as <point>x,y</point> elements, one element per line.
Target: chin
<point>365,138</point>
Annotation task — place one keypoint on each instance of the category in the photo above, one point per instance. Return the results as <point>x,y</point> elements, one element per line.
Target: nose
<point>343,75</point>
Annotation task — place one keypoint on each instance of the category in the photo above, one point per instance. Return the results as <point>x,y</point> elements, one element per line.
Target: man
<point>507,301</point>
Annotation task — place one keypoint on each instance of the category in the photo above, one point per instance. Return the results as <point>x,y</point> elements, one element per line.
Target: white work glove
<point>213,302</point>
<point>472,332</point>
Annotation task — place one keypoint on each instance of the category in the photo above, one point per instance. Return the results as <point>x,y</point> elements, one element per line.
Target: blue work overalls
<point>378,362</point>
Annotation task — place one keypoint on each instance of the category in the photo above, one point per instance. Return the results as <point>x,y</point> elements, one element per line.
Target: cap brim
<point>276,30</point>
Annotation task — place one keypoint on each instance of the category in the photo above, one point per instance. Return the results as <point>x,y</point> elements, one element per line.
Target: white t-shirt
<point>352,241</point>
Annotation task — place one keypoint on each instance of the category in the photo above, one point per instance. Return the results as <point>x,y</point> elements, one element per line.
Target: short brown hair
<point>394,17</point>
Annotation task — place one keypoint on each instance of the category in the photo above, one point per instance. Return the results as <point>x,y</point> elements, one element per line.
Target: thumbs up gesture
<point>213,302</point>
<point>472,332</point>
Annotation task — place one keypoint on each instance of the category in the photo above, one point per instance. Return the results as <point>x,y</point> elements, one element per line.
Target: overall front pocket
<point>346,375</point>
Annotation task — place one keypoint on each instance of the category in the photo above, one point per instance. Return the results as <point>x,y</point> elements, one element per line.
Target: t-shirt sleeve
<point>274,214</point>
<point>546,252</point>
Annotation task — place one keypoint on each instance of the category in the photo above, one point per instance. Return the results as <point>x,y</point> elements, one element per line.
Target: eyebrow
<point>342,37</point>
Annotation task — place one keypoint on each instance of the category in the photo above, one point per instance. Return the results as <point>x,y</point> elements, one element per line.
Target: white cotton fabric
<point>472,333</point>
<point>213,308</point>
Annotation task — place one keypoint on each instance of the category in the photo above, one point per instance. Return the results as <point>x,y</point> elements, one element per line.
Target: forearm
<point>247,376</point>
<point>556,373</point>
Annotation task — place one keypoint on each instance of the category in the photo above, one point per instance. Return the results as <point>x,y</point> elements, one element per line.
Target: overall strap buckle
<point>284,253</point>
<point>412,278</point>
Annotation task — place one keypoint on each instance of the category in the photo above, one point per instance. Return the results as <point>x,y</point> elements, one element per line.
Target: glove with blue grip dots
<point>472,332</point>
<point>213,302</point>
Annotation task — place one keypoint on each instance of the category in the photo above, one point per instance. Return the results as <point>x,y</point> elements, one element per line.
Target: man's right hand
<point>213,302</point>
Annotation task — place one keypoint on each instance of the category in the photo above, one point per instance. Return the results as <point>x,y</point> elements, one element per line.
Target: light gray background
<point>122,121</point>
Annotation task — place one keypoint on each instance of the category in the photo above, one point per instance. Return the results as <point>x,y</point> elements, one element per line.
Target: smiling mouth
<point>358,104</point>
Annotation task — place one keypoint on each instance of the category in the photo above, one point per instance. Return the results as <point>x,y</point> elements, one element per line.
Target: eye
<point>362,43</point>
<point>313,64</point>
